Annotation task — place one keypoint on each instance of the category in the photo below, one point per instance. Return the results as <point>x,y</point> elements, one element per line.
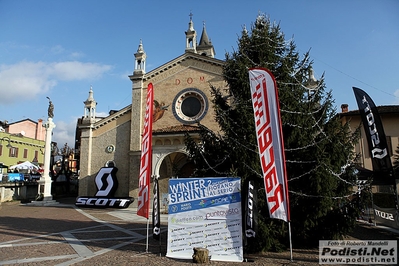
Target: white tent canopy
<point>25,165</point>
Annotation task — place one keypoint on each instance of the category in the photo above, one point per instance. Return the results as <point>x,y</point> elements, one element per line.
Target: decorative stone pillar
<point>45,180</point>
<point>49,125</point>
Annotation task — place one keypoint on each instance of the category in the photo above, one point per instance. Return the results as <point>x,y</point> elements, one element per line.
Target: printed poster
<point>205,213</point>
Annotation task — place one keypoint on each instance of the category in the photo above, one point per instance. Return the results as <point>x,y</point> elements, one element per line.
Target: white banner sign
<point>270,141</point>
<point>205,213</point>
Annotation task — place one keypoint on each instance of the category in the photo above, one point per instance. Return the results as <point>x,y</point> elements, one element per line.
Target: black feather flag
<point>380,158</point>
<point>251,211</point>
<point>156,212</point>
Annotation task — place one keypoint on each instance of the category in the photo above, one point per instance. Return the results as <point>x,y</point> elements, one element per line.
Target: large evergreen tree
<point>318,148</point>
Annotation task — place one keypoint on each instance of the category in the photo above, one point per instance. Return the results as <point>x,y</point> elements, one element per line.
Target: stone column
<point>49,125</point>
<point>45,180</point>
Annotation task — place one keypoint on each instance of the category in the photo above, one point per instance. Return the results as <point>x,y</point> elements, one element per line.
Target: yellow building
<point>22,141</point>
<point>181,99</point>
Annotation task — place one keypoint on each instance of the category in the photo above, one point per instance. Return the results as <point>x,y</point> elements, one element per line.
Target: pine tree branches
<point>318,147</point>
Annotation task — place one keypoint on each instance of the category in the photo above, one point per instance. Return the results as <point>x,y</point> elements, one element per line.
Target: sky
<point>59,49</point>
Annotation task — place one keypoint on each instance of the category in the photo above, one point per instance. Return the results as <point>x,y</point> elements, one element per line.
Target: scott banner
<point>107,184</point>
<point>270,141</point>
<point>251,211</point>
<point>205,213</point>
<point>143,198</point>
<point>386,216</point>
<point>376,139</point>
<point>156,212</point>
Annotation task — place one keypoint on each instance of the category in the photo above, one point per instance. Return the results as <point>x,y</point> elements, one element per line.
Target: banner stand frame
<point>265,105</point>
<point>372,206</point>
<point>146,154</point>
<point>146,244</point>
<point>160,244</point>
<point>289,234</point>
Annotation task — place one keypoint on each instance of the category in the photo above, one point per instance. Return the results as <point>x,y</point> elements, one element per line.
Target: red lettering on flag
<point>143,198</point>
<point>270,141</point>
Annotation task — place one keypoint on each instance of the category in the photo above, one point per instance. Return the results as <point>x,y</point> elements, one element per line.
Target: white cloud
<point>76,55</point>
<point>102,114</point>
<point>125,75</point>
<point>74,70</point>
<point>396,93</point>
<point>64,132</point>
<point>58,49</point>
<point>26,80</point>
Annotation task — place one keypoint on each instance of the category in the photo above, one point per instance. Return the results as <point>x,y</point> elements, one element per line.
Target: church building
<point>181,99</point>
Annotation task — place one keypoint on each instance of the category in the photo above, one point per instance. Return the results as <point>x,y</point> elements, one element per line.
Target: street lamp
<point>9,142</point>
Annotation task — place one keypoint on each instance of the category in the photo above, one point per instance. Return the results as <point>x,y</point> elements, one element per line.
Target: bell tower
<point>191,37</point>
<point>140,57</point>
<point>90,108</point>
<point>205,46</point>
<point>138,97</point>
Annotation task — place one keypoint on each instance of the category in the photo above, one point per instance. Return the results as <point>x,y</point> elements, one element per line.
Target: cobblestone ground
<point>64,235</point>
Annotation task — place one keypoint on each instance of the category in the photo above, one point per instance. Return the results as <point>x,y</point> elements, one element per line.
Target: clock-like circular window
<point>110,148</point>
<point>190,106</point>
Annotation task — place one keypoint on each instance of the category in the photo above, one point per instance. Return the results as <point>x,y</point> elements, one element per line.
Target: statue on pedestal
<point>50,110</point>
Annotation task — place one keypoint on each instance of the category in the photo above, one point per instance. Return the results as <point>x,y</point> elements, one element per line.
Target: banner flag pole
<point>148,228</point>
<point>270,142</point>
<point>289,234</point>
<point>143,198</point>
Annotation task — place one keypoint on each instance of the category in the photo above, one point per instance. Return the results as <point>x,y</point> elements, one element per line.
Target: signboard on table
<point>205,213</point>
<point>15,177</point>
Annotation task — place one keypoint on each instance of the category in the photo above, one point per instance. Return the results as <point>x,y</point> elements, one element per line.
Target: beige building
<point>389,115</point>
<point>390,120</point>
<point>181,99</point>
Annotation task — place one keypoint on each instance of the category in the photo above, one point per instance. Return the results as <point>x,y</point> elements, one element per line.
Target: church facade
<point>181,99</point>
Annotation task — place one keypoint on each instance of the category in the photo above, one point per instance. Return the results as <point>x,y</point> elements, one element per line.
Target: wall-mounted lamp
<point>9,142</point>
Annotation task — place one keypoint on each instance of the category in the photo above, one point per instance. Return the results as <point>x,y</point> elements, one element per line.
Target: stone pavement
<point>63,234</point>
